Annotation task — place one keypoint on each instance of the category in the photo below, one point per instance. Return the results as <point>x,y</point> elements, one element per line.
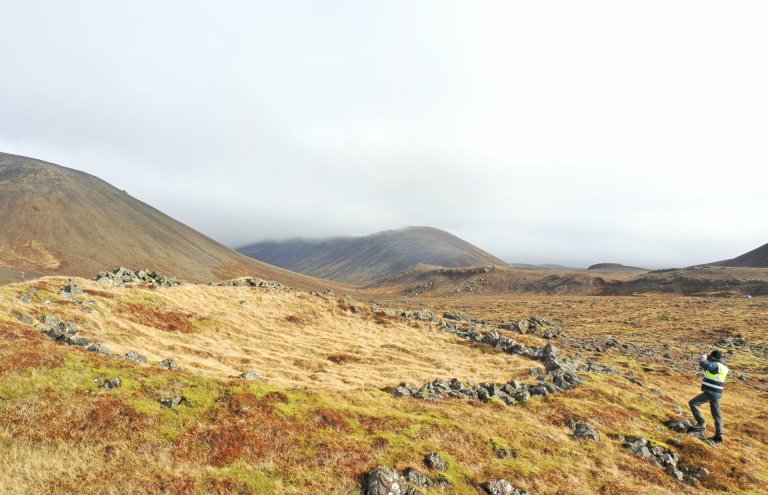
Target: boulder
<point>250,375</point>
<point>169,364</point>
<point>385,481</point>
<point>403,390</point>
<point>112,384</point>
<point>679,425</point>
<point>171,402</point>
<point>434,461</point>
<point>502,487</point>
<point>583,431</point>
<point>71,289</point>
<point>100,348</point>
<point>135,357</point>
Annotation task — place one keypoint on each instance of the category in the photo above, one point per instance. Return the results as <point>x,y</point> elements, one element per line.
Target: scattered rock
<point>135,357</point>
<point>503,453</point>
<point>403,390</point>
<point>171,402</point>
<point>434,461</point>
<point>70,290</point>
<point>250,375</point>
<point>25,298</point>
<point>502,487</point>
<point>582,431</point>
<point>169,364</point>
<point>416,477</point>
<point>666,458</point>
<point>679,425</point>
<point>49,320</point>
<point>112,384</point>
<point>732,342</point>
<point>100,348</point>
<point>385,481</point>
<point>77,341</point>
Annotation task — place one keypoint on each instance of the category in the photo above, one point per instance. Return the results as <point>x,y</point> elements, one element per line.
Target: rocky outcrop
<point>123,277</point>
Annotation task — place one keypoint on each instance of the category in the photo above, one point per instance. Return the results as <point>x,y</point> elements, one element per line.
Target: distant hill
<point>55,220</point>
<point>757,258</point>
<point>615,267</point>
<point>364,260</point>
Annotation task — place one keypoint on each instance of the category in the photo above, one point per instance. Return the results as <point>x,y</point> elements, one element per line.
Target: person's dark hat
<point>716,354</point>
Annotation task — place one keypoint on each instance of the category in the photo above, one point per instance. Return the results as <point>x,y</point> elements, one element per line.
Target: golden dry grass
<point>317,428</point>
<point>292,338</point>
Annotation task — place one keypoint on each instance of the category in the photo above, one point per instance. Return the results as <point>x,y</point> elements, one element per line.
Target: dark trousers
<point>714,406</point>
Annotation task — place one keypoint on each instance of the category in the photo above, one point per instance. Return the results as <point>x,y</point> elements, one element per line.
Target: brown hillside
<point>55,220</point>
<point>757,258</point>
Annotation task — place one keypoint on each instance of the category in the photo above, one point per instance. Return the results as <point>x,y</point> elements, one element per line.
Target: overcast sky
<point>543,132</point>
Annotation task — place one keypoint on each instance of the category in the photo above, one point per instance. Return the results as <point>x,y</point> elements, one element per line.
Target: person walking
<point>715,372</point>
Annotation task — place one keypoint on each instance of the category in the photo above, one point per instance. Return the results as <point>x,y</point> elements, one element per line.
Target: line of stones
<point>559,373</point>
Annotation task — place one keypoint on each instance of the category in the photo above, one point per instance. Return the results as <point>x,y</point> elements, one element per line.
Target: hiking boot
<point>698,427</point>
<point>717,439</point>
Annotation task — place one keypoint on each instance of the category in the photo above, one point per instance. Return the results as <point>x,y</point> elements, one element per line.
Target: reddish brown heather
<point>169,320</point>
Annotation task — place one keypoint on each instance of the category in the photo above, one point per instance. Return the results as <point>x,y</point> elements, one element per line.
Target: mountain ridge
<point>367,259</point>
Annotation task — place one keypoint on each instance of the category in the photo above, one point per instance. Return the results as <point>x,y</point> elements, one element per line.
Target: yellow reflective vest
<point>715,382</point>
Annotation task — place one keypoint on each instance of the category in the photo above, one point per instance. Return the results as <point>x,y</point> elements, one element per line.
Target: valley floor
<point>321,415</point>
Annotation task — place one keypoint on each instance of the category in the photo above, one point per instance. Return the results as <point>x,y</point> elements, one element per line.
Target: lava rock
<point>100,348</point>
<point>171,402</point>
<point>679,425</point>
<point>502,487</point>
<point>169,364</point>
<point>250,375</point>
<point>135,357</point>
<point>583,431</point>
<point>385,481</point>
<point>416,477</point>
<point>434,461</point>
<point>112,384</point>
